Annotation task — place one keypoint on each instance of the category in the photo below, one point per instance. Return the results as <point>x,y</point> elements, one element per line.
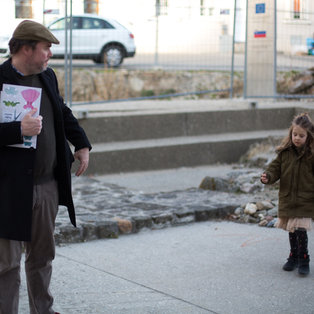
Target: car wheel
<point>112,56</point>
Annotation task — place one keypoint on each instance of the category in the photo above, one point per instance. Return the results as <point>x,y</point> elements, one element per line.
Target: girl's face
<point>299,136</point>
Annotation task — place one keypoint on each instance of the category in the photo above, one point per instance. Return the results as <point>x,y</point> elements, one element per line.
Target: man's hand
<point>83,156</point>
<point>31,125</point>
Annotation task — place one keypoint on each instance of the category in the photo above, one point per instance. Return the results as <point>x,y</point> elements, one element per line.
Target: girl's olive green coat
<point>296,174</point>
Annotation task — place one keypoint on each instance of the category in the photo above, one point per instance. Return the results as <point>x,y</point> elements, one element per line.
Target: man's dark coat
<point>17,164</point>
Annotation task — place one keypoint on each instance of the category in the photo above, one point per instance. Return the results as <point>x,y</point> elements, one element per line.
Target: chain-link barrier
<point>183,48</point>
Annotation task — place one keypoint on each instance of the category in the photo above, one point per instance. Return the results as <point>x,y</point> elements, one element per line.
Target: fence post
<point>157,30</point>
<point>275,48</point>
<point>66,52</point>
<point>68,57</point>
<point>245,53</point>
<point>233,43</point>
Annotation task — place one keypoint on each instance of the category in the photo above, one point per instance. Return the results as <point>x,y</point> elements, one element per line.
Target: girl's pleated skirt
<point>292,224</point>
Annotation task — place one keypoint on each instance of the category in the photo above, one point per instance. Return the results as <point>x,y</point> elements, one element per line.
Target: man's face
<point>39,57</point>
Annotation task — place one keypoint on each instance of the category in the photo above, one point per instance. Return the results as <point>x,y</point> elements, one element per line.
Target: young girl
<point>294,166</point>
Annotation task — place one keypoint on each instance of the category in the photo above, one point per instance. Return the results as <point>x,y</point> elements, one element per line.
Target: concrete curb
<point>113,228</point>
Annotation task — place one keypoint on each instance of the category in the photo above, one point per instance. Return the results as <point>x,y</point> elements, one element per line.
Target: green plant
<point>168,91</point>
<point>147,93</point>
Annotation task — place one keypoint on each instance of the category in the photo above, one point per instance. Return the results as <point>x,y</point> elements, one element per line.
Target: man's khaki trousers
<point>39,254</point>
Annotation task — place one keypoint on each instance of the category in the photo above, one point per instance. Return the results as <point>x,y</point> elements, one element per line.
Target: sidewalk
<point>142,107</point>
<point>205,267</point>
<point>210,267</point>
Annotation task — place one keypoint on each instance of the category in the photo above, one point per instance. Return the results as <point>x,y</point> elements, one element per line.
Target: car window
<point>76,22</point>
<point>92,23</point>
<point>60,24</point>
<point>57,25</point>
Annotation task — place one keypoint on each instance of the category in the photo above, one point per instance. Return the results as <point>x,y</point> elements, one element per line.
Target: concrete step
<point>102,128</point>
<point>154,135</point>
<point>174,152</point>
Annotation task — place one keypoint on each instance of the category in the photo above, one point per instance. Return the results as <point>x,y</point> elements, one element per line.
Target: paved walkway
<point>206,267</point>
<point>178,105</point>
<point>209,267</point>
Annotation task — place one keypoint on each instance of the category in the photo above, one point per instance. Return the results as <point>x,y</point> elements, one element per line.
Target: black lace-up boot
<point>292,262</point>
<point>303,257</point>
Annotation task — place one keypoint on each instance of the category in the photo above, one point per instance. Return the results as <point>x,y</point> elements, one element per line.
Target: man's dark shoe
<point>304,265</point>
<point>291,264</point>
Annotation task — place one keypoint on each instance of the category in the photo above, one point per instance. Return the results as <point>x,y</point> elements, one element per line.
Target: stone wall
<point>108,84</point>
<point>95,85</point>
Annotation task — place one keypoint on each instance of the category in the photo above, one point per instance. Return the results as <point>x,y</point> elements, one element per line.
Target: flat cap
<point>30,30</point>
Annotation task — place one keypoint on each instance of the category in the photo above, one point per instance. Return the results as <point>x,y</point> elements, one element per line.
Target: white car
<point>4,45</point>
<point>96,38</point>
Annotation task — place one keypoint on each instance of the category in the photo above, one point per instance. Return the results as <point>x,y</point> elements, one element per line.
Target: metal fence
<point>184,51</point>
<point>192,51</point>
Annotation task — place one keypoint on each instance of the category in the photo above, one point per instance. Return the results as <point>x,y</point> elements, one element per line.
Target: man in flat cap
<point>34,181</point>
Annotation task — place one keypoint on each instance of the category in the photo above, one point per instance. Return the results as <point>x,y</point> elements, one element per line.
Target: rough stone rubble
<point>107,211</point>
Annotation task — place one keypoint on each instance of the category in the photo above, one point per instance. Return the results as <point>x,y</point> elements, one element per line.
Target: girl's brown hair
<point>304,121</point>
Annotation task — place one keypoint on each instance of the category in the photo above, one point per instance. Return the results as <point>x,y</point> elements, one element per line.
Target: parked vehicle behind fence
<point>102,40</point>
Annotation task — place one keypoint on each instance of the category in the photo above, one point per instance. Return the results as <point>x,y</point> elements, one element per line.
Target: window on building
<point>299,9</point>
<point>161,7</point>
<point>224,11</point>
<point>296,9</point>
<point>23,9</point>
<point>91,6</point>
<point>205,8</point>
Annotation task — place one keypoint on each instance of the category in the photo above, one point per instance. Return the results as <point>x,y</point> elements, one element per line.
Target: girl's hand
<point>264,178</point>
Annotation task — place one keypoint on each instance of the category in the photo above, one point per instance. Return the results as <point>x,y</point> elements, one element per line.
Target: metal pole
<point>233,43</point>
<point>70,70</point>
<point>156,35</point>
<point>68,56</point>
<point>275,48</point>
<point>44,5</point>
<point>245,54</point>
<point>66,53</point>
